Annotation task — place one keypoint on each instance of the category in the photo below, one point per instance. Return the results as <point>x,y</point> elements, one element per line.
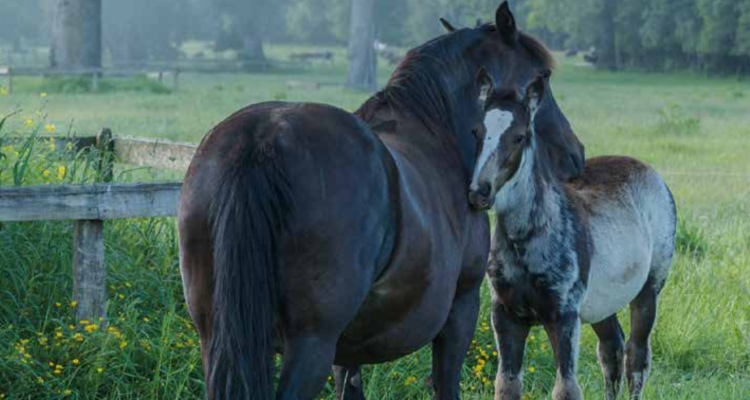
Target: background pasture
<point>692,129</point>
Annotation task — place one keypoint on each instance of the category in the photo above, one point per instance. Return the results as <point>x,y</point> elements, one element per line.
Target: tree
<point>251,21</point>
<point>362,58</point>
<point>77,34</point>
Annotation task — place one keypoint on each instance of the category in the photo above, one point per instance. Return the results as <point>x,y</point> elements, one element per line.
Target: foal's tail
<point>248,215</point>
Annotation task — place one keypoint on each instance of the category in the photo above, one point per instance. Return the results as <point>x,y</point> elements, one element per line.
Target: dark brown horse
<point>348,239</point>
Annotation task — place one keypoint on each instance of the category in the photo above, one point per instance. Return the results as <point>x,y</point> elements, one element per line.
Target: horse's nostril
<point>484,189</point>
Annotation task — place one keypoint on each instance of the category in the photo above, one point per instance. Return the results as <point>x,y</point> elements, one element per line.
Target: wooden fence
<point>90,205</point>
<point>158,74</point>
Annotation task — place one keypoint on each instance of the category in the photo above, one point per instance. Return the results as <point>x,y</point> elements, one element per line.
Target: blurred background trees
<point>710,36</point>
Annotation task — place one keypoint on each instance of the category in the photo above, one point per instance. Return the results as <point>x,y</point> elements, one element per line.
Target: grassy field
<point>694,130</point>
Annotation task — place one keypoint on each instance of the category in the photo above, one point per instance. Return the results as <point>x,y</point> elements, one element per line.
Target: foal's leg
<point>610,354</point>
<point>564,334</point>
<point>638,351</point>
<point>349,384</point>
<point>450,346</point>
<point>511,343</point>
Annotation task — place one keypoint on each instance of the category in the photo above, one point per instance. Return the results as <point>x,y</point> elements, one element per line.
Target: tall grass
<point>149,349</point>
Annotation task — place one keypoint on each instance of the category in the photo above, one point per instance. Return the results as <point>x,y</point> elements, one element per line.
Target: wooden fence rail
<point>90,205</point>
<point>94,74</point>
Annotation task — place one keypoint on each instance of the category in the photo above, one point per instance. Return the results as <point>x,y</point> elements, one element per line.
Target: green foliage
<point>706,35</point>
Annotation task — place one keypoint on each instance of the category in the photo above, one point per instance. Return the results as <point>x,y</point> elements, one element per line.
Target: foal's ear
<point>535,93</point>
<point>506,24</point>
<point>447,25</point>
<point>486,85</point>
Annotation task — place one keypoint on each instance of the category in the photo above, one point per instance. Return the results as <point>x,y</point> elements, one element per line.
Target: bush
<point>674,120</point>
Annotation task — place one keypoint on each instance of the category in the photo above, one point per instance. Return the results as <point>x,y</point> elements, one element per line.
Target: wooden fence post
<point>89,268</point>
<point>175,79</point>
<point>8,72</point>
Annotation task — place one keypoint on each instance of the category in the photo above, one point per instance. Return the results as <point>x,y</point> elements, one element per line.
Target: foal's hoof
<point>567,390</point>
<point>508,388</point>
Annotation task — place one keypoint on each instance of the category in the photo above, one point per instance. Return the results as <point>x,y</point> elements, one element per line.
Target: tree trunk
<point>362,58</point>
<point>252,47</point>
<point>77,34</point>
<point>607,44</point>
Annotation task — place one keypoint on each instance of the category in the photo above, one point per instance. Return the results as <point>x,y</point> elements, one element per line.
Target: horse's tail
<point>248,215</point>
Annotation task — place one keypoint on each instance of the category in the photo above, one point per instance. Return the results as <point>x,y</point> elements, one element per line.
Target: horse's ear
<point>486,85</point>
<point>447,25</point>
<point>535,94</point>
<point>506,24</point>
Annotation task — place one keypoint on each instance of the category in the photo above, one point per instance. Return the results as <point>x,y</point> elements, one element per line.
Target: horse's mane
<point>421,84</point>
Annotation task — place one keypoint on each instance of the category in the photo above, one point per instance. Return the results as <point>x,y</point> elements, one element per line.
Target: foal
<point>563,254</point>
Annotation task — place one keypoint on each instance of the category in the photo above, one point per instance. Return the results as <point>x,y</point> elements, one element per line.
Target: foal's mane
<point>423,83</point>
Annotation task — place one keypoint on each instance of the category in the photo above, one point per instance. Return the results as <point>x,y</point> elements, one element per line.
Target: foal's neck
<point>530,203</point>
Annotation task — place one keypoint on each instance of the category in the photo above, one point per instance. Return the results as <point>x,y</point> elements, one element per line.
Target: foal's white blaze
<point>496,123</point>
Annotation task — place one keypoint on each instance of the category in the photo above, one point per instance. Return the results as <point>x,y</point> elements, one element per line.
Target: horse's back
<point>632,219</point>
<point>339,229</point>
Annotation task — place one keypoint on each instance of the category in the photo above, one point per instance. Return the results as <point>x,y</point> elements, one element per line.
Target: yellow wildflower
<point>146,319</point>
<point>73,303</point>
<point>28,122</point>
<point>78,337</point>
<point>40,380</point>
<point>410,380</point>
<point>91,328</point>
<point>58,334</point>
<point>123,344</point>
<point>100,370</point>
<point>76,361</point>
<point>43,94</point>
<point>50,128</point>
<point>45,173</point>
<point>61,170</point>
<point>67,392</point>
<point>532,369</point>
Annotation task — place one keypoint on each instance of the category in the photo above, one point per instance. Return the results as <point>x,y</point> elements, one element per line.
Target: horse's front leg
<point>511,337</point>
<point>564,334</point>
<point>450,346</point>
<point>349,384</point>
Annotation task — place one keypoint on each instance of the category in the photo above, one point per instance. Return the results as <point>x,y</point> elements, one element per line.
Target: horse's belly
<point>391,326</point>
<point>620,265</point>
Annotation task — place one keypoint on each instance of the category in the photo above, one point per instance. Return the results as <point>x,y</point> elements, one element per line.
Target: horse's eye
<point>546,74</point>
<point>519,139</point>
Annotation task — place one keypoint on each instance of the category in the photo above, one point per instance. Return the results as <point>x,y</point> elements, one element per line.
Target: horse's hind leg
<point>638,350</point>
<point>307,363</point>
<point>610,352</point>
<point>450,346</point>
<point>196,268</point>
<point>349,384</point>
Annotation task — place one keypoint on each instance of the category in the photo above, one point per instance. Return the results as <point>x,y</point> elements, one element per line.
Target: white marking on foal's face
<point>496,123</point>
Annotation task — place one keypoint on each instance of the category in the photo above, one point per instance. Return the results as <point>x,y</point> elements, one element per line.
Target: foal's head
<point>508,134</point>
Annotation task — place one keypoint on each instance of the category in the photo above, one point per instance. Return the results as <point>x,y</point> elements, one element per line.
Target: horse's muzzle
<point>480,198</point>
